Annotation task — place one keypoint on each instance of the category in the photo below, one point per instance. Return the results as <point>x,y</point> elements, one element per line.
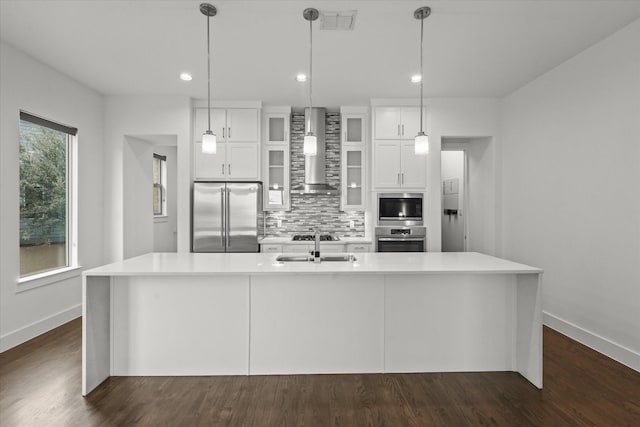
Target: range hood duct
<point>314,166</point>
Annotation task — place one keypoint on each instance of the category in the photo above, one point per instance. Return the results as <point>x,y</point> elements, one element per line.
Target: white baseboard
<point>600,344</point>
<point>28,332</point>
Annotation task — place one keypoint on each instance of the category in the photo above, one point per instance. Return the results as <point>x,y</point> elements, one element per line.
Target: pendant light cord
<point>310,73</point>
<point>421,68</point>
<point>208,76</point>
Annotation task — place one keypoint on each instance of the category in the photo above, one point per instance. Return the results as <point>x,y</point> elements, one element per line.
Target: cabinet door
<point>201,122</point>
<point>410,125</point>
<point>387,123</point>
<point>277,128</point>
<point>386,168</point>
<point>353,126</point>
<point>276,177</point>
<point>209,166</point>
<point>242,124</point>
<point>414,167</point>
<point>358,247</point>
<point>352,192</point>
<point>242,160</point>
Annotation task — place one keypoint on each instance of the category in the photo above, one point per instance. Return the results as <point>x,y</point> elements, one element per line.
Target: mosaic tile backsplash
<point>309,211</point>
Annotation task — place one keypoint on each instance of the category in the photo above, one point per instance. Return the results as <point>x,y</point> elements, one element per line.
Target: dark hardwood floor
<point>40,386</point>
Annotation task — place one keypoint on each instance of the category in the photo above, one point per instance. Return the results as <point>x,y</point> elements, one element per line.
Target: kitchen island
<point>248,314</point>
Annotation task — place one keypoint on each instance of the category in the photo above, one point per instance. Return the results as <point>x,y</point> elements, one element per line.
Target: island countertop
<point>199,264</point>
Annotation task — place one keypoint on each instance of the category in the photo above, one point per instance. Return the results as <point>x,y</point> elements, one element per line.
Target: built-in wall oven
<point>400,225</point>
<point>401,239</point>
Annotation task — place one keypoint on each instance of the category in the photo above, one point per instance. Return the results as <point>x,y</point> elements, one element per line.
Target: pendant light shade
<point>422,143</point>
<point>421,139</point>
<point>310,146</point>
<point>209,143</point>
<point>209,139</point>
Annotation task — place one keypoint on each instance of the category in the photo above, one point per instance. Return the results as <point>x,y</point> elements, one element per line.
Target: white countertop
<point>199,264</point>
<point>276,240</point>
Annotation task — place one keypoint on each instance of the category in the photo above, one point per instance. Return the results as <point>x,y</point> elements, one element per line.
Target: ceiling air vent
<point>344,20</point>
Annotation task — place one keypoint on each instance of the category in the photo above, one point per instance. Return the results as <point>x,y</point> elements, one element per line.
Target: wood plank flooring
<point>40,386</point>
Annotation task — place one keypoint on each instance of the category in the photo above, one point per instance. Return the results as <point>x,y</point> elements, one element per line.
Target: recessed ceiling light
<point>186,77</point>
<point>301,78</point>
<point>416,78</point>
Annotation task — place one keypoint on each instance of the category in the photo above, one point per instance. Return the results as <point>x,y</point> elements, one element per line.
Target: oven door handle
<point>399,239</point>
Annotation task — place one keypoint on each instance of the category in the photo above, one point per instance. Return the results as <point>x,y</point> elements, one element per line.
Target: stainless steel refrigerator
<point>226,216</point>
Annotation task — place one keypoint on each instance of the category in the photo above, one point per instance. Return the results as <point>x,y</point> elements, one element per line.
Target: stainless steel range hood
<point>315,177</point>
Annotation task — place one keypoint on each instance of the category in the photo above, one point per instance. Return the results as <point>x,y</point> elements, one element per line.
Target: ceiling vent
<point>344,20</point>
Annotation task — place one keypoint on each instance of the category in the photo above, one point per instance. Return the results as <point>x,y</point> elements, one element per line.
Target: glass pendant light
<point>422,139</point>
<point>209,139</point>
<point>310,145</point>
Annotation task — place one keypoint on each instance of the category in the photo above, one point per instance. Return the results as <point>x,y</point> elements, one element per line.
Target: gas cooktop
<point>311,237</point>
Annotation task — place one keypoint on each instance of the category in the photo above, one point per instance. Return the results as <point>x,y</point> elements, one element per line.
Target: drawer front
<point>358,247</point>
<point>273,249</point>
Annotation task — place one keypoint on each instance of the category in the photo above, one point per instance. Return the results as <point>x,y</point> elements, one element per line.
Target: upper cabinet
<point>237,153</point>
<point>395,164</point>
<point>276,152</point>
<point>353,124</point>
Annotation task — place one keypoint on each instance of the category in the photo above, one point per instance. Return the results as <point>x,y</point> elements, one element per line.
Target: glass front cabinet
<point>353,158</point>
<point>276,169</point>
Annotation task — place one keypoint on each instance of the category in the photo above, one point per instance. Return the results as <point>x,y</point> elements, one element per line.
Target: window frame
<point>162,185</point>
<point>72,268</point>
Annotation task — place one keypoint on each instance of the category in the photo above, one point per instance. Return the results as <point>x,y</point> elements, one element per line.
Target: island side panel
<point>96,345</point>
<point>322,323</point>
<point>449,323</point>
<point>181,325</point>
<point>529,328</point>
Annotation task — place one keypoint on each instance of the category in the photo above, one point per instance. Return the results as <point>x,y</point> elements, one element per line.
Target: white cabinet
<point>237,152</point>
<point>353,158</point>
<point>325,247</point>
<point>395,164</point>
<point>271,248</point>
<point>396,122</point>
<point>276,158</point>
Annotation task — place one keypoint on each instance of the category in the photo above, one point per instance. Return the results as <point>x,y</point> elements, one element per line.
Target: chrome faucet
<point>316,249</point>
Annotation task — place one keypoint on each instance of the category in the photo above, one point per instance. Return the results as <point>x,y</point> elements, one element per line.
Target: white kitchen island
<point>246,314</point>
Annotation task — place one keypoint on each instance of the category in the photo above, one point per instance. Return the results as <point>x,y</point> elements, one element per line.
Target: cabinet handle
<point>402,130</point>
<point>398,130</point>
<point>229,131</point>
<point>398,178</point>
<point>222,168</point>
<point>402,178</point>
<point>229,168</point>
<point>223,129</point>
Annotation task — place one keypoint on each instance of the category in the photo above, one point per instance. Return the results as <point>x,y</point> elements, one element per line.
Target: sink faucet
<point>316,249</point>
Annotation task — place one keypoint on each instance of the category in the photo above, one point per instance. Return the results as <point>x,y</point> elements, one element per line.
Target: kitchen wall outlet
<point>279,223</point>
<point>352,224</point>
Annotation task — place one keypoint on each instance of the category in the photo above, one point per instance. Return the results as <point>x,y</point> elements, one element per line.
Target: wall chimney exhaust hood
<point>314,166</point>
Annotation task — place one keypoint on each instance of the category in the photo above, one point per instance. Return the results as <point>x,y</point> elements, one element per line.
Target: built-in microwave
<point>400,209</point>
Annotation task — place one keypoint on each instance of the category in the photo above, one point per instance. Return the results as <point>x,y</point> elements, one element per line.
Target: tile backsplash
<point>309,211</point>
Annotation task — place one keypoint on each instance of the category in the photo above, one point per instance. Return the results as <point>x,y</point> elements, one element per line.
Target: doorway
<point>453,194</point>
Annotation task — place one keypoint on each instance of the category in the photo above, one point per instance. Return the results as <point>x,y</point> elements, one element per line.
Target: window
<point>159,185</point>
<point>46,150</point>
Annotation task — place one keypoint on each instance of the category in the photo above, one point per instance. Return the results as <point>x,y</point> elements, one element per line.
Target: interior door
<point>243,206</point>
<point>208,219</point>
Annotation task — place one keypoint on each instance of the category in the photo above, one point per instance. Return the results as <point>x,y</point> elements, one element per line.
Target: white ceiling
<point>472,48</point>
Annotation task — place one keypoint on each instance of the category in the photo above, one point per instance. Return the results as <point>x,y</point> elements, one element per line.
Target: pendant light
<point>209,139</point>
<point>421,140</point>
<point>310,146</point>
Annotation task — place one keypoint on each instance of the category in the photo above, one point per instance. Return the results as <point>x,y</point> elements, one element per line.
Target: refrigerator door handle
<point>227,214</point>
<point>222,224</point>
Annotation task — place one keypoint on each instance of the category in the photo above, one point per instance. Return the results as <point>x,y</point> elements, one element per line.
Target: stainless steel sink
<point>290,258</point>
<point>308,258</point>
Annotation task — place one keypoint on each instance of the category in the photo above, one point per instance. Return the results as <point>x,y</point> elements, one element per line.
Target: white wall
<point>571,198</point>
<point>144,116</point>
<point>29,85</point>
<point>471,118</point>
